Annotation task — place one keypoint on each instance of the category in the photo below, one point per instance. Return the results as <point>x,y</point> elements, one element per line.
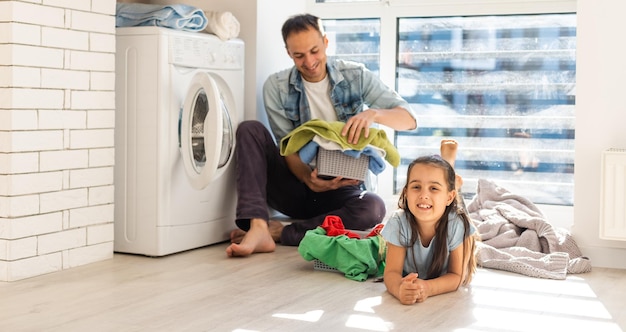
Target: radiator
<point>613,195</point>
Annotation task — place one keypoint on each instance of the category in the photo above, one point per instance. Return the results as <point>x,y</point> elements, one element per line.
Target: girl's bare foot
<point>257,239</point>
<point>448,153</point>
<point>448,150</point>
<point>458,182</point>
<point>275,228</point>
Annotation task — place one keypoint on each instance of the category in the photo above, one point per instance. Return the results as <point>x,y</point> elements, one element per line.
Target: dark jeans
<point>263,179</point>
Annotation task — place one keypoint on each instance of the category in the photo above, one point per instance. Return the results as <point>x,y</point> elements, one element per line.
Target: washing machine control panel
<point>205,51</point>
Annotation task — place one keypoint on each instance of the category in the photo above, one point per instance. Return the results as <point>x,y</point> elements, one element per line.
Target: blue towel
<point>178,16</point>
<point>376,162</point>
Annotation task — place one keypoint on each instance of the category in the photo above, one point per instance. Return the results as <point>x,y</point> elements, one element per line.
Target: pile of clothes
<point>358,258</point>
<point>315,133</point>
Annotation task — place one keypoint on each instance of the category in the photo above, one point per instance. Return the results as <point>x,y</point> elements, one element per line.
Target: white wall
<point>600,115</point>
<point>271,53</point>
<point>57,115</point>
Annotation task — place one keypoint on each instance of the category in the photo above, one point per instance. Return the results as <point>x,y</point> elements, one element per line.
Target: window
<point>503,85</point>
<point>356,40</point>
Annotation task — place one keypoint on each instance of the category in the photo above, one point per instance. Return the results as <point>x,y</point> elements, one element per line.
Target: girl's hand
<point>409,290</point>
<point>422,290</point>
<point>413,289</point>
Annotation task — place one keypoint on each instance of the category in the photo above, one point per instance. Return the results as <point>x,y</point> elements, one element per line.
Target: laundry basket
<point>321,266</point>
<point>333,163</point>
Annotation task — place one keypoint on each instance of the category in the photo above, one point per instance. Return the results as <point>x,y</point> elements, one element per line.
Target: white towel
<point>222,24</point>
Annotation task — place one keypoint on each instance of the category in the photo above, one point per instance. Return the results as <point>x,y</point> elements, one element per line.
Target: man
<point>312,89</point>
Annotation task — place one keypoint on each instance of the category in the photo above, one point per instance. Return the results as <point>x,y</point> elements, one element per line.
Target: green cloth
<point>356,258</point>
<point>331,131</point>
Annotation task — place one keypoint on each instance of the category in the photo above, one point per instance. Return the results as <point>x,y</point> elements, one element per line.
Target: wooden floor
<point>202,290</point>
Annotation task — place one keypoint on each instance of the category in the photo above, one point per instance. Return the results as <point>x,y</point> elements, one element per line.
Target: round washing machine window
<point>199,113</point>
<point>202,131</point>
<point>228,135</point>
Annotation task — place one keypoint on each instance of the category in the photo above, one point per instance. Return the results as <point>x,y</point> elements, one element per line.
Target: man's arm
<point>279,124</point>
<point>386,107</point>
<point>397,118</point>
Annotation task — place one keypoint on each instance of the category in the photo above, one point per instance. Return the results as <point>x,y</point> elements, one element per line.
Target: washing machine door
<point>206,135</point>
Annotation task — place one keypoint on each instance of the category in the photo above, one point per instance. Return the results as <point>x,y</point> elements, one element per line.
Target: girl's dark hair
<point>299,23</point>
<point>441,232</point>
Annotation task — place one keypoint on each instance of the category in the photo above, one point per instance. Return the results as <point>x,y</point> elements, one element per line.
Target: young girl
<point>430,239</point>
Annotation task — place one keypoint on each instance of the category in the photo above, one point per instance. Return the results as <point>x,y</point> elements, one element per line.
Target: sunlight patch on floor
<point>533,302</point>
<point>366,305</point>
<point>520,303</point>
<point>368,323</point>
<point>309,316</point>
<point>573,285</point>
<point>492,319</point>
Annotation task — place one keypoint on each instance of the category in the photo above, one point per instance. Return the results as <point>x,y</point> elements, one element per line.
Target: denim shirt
<point>353,89</point>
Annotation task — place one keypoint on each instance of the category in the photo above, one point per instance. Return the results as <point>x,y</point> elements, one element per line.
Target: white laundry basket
<point>333,163</point>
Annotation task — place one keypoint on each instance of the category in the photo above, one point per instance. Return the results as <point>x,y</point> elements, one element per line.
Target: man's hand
<point>317,184</point>
<point>360,122</point>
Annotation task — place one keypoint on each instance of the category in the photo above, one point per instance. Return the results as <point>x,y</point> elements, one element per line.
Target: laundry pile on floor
<point>344,250</point>
<point>179,17</point>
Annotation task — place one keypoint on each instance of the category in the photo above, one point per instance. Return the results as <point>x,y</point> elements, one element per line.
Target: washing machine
<point>179,98</point>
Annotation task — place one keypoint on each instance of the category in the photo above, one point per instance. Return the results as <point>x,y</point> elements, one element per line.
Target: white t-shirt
<point>318,96</point>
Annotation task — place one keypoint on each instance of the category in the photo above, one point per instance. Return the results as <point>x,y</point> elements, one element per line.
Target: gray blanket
<point>516,237</point>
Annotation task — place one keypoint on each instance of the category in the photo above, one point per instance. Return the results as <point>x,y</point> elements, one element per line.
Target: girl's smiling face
<point>427,193</point>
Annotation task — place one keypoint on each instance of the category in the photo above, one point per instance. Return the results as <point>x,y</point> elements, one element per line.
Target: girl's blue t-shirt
<point>398,232</point>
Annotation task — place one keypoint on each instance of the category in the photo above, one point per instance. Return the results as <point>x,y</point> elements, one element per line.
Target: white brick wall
<point>57,115</point>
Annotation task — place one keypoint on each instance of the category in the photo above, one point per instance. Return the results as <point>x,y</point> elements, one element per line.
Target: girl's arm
<point>404,289</point>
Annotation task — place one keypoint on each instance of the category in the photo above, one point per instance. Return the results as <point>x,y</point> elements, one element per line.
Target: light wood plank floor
<point>202,290</point>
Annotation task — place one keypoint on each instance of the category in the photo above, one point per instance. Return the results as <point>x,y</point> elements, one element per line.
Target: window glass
<point>354,39</point>
<point>504,87</point>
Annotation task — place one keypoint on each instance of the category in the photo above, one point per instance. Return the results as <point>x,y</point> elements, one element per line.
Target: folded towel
<point>222,24</point>
<point>177,16</point>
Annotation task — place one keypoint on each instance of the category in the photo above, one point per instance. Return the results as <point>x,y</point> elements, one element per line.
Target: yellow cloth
<point>303,134</point>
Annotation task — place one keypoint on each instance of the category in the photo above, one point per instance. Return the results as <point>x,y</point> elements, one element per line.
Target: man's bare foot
<point>275,228</point>
<point>257,239</point>
<point>448,150</point>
